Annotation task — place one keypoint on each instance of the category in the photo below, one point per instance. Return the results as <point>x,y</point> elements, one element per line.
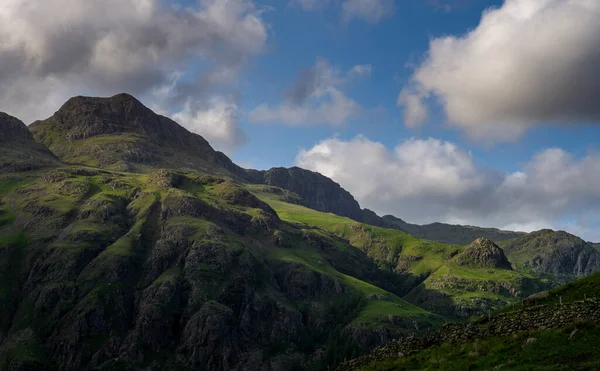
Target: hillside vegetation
<point>560,331</point>
<point>127,242</point>
<point>437,275</point>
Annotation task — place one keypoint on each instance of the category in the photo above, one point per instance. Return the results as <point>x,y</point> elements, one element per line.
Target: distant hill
<point>553,253</point>
<point>18,150</point>
<point>449,233</point>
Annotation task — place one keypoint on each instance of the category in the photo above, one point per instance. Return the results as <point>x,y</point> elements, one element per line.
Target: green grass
<point>382,244</point>
<point>588,287</point>
<point>429,259</point>
<point>375,309</point>
<point>28,351</point>
<point>170,275</point>
<point>552,350</point>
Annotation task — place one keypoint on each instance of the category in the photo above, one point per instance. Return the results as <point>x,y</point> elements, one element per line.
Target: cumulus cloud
<point>370,11</point>
<point>217,120</point>
<point>527,62</point>
<point>53,49</point>
<point>316,97</point>
<point>430,180</point>
<point>310,4</point>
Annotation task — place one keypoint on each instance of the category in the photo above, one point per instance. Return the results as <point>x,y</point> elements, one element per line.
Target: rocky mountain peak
<point>85,117</point>
<point>555,253</point>
<point>483,253</point>
<point>317,192</point>
<point>18,150</point>
<point>13,130</point>
<point>120,133</point>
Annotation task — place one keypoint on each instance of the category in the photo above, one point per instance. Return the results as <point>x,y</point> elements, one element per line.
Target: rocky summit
<point>557,254</point>
<point>483,253</point>
<point>120,133</point>
<point>128,243</point>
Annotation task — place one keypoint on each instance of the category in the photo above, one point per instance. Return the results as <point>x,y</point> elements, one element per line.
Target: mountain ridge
<point>135,248</point>
<point>19,151</point>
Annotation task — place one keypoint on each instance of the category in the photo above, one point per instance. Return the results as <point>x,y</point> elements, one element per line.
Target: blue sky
<point>461,111</point>
<point>389,46</point>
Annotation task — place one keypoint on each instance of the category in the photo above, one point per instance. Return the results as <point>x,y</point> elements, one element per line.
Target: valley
<point>127,242</point>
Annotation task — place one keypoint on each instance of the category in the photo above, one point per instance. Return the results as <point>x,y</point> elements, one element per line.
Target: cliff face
<point>548,252</point>
<point>317,192</point>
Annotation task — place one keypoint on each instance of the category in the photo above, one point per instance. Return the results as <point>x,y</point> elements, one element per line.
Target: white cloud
<point>316,97</point>
<point>310,4</point>
<point>429,180</point>
<point>527,62</point>
<point>53,49</point>
<point>360,70</point>
<point>218,122</point>
<point>370,11</point>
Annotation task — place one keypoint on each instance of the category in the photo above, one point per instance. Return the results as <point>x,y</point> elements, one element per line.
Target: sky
<point>481,112</point>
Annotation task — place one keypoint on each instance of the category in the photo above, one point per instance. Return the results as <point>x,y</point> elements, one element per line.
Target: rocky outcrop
<point>548,252</point>
<point>483,253</point>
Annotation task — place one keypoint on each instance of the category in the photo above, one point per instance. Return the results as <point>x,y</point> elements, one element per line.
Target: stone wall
<point>533,318</point>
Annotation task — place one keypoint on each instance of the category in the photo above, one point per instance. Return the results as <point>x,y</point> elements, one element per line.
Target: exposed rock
<point>316,191</point>
<point>483,253</point>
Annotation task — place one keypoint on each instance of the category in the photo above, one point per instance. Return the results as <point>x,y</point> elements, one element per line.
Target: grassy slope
<point>299,252</point>
<point>381,304</point>
<point>587,287</point>
<point>552,350</point>
<point>425,260</point>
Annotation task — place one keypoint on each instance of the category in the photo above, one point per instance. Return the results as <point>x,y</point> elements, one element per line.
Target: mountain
<point>18,150</point>
<point>120,133</point>
<point>449,280</point>
<point>127,242</point>
<point>316,191</point>
<point>560,255</point>
<point>117,257</point>
<point>483,253</point>
<point>448,233</point>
